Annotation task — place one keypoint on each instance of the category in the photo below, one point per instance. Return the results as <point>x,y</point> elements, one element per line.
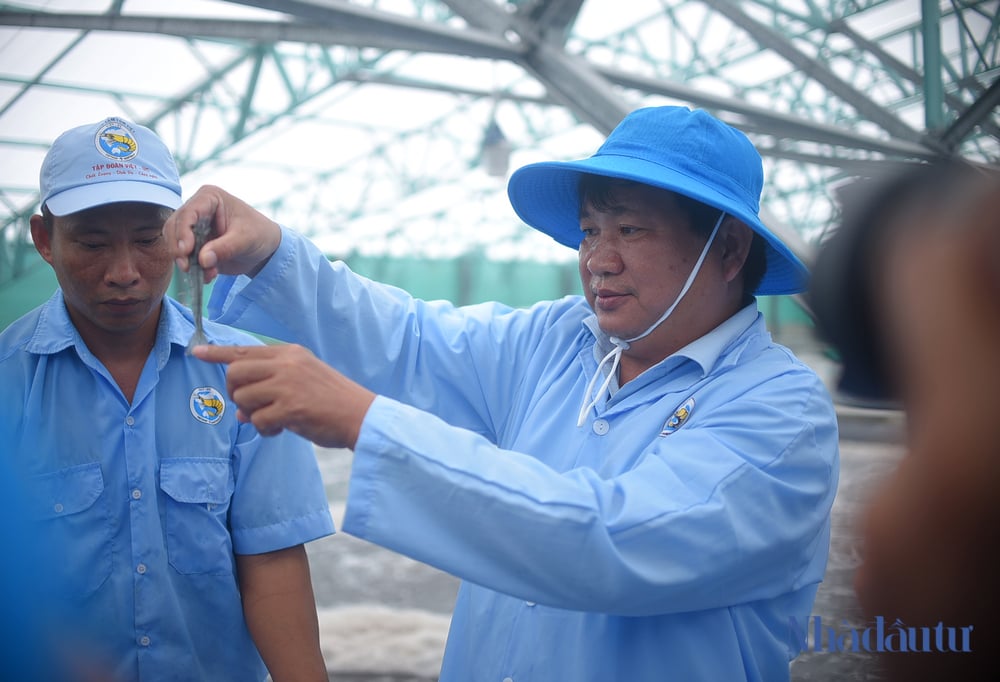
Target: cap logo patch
<point>207,405</point>
<point>116,140</point>
<point>678,418</point>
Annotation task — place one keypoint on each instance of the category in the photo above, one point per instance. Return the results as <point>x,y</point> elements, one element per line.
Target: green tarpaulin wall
<point>468,279</point>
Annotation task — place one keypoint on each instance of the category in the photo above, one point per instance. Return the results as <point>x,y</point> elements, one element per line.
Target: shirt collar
<point>176,328</point>
<point>55,330</point>
<point>705,351</point>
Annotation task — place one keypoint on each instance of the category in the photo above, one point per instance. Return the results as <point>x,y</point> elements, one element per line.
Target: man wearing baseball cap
<point>634,484</point>
<point>176,532</point>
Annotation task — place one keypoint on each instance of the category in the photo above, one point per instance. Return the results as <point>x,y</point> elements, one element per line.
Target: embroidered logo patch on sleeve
<point>678,418</point>
<point>207,405</point>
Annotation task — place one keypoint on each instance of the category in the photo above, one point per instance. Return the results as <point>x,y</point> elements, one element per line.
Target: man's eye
<point>91,245</point>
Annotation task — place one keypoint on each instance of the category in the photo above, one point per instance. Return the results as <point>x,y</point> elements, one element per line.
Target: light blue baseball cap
<point>674,148</point>
<point>107,162</point>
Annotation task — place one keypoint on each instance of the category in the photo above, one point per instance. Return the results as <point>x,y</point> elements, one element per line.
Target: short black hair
<point>599,190</point>
<point>49,219</point>
<point>842,291</point>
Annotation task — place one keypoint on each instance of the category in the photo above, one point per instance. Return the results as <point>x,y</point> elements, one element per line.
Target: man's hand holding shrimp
<point>275,387</point>
<point>287,387</point>
<point>243,239</point>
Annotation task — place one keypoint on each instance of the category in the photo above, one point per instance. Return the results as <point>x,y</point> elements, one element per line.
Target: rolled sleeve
<point>279,499</point>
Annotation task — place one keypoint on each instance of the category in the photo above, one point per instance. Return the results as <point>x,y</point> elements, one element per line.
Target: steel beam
<point>569,79</point>
<point>386,35</point>
<point>769,38</point>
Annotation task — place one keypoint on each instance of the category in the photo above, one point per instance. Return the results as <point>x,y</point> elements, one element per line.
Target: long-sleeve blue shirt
<point>142,506</point>
<point>672,537</point>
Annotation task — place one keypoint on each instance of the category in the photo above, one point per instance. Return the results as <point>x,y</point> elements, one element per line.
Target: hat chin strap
<point>615,355</point>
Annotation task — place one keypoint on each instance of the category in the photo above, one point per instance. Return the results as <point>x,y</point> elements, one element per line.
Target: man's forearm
<point>280,612</point>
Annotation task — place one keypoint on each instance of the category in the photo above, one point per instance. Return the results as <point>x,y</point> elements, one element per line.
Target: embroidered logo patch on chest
<point>207,405</point>
<point>678,418</point>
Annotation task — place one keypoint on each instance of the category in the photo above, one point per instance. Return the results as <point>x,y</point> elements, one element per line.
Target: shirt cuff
<point>227,304</point>
<point>284,534</point>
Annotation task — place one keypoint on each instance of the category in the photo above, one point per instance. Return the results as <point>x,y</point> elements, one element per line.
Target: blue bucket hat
<point>107,162</point>
<point>674,148</point>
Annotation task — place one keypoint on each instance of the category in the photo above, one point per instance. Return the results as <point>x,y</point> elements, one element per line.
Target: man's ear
<point>42,238</point>
<point>735,238</point>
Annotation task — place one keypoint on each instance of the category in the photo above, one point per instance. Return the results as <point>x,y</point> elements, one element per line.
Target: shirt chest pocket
<point>196,499</point>
<point>73,512</point>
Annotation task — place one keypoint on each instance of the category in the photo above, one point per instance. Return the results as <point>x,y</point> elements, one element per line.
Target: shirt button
<point>58,508</point>
<point>129,420</point>
<point>508,679</point>
<point>141,568</point>
<point>529,603</point>
<point>144,640</point>
<point>601,426</point>
<point>136,494</point>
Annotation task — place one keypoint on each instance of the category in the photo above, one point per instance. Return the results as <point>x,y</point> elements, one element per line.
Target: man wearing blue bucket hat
<point>634,484</point>
<point>175,532</point>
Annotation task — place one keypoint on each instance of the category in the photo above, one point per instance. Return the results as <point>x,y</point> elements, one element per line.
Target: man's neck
<point>123,354</point>
<point>664,342</point>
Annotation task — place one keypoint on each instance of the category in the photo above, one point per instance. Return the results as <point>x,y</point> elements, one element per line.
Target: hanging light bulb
<point>495,150</point>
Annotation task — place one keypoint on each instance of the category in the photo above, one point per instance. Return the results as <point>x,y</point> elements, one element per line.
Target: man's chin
<point>617,331</point>
<point>122,322</point>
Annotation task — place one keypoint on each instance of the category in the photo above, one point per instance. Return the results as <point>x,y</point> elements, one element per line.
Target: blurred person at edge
<point>634,484</point>
<point>908,292</point>
<point>175,532</point>
<point>26,594</point>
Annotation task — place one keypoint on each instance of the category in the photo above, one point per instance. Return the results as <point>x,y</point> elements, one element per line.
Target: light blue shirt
<point>146,504</point>
<point>672,537</point>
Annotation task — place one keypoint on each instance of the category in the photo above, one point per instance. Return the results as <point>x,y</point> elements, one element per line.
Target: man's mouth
<point>608,299</point>
<point>122,304</point>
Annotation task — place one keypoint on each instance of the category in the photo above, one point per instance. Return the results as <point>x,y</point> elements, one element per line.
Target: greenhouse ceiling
<point>390,126</point>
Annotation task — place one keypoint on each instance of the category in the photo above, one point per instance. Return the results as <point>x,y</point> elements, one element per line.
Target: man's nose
<point>604,258</point>
<point>123,270</point>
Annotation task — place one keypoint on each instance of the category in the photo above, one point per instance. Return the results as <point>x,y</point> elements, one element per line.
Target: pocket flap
<point>67,491</point>
<point>195,480</point>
